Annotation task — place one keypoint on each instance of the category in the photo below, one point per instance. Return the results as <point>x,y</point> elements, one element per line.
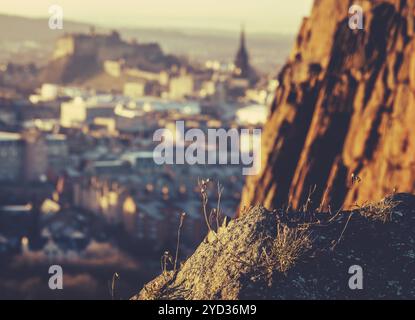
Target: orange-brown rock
<point>345,107</point>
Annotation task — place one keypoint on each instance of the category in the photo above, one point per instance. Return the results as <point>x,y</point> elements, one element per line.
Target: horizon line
<point>155,28</point>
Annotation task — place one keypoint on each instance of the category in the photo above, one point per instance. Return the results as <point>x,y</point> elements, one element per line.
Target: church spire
<point>242,58</point>
<point>242,41</point>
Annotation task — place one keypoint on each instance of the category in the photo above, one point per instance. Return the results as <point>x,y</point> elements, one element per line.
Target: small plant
<point>165,258</point>
<point>182,216</point>
<point>215,213</point>
<point>218,215</point>
<point>288,246</point>
<point>335,243</point>
<point>309,202</point>
<point>203,186</point>
<point>380,211</point>
<point>115,277</point>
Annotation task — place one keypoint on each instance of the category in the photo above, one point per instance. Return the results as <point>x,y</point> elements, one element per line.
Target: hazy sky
<point>276,16</point>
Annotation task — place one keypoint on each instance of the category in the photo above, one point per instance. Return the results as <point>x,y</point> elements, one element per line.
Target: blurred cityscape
<point>78,183</point>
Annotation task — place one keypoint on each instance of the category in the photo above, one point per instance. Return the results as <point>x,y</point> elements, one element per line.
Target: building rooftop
<point>109,163</point>
<point>56,137</point>
<point>10,136</point>
<point>16,208</point>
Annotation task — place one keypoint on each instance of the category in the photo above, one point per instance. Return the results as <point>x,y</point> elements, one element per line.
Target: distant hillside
<point>267,51</point>
<point>29,29</point>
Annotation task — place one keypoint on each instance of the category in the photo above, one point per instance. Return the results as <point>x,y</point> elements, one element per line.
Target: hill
<point>267,50</point>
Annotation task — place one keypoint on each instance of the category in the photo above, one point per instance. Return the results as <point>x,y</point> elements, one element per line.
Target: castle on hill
<point>79,55</point>
<point>104,47</point>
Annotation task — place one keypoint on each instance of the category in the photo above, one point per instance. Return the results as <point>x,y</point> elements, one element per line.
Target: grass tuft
<point>288,246</point>
<point>380,211</point>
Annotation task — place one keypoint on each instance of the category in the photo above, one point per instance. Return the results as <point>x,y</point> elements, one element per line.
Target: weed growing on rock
<point>218,213</point>
<point>203,186</point>
<point>165,258</point>
<point>115,277</point>
<point>309,202</point>
<point>380,211</point>
<point>182,216</point>
<point>288,246</point>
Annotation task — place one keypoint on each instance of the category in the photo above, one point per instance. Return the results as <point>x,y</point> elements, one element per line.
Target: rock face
<point>297,255</point>
<point>345,105</point>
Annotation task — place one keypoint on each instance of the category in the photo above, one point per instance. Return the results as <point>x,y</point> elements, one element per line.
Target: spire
<point>242,58</point>
<point>242,42</point>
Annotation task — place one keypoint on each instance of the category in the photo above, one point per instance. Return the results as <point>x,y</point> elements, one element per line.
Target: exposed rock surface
<point>345,105</point>
<point>246,259</point>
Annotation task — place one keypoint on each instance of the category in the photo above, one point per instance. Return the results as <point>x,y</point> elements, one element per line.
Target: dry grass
<point>308,204</point>
<point>380,211</point>
<point>203,189</point>
<point>182,216</point>
<point>288,246</point>
<point>115,277</point>
<point>165,259</point>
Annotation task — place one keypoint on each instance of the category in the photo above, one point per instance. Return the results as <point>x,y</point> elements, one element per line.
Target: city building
<point>73,113</point>
<point>181,86</point>
<point>36,156</point>
<point>135,90</point>
<point>12,150</point>
<point>57,152</point>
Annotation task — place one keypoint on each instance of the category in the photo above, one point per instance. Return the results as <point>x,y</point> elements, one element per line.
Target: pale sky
<point>274,16</point>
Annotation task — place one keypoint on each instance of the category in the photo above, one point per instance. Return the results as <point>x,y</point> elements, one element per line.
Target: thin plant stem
<point>178,240</point>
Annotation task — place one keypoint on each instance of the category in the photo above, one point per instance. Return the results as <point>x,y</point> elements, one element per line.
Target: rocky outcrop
<point>345,107</point>
<point>70,68</point>
<point>301,255</point>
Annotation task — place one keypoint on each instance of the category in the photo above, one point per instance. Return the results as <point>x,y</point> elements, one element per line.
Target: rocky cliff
<point>342,121</point>
<point>301,255</point>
